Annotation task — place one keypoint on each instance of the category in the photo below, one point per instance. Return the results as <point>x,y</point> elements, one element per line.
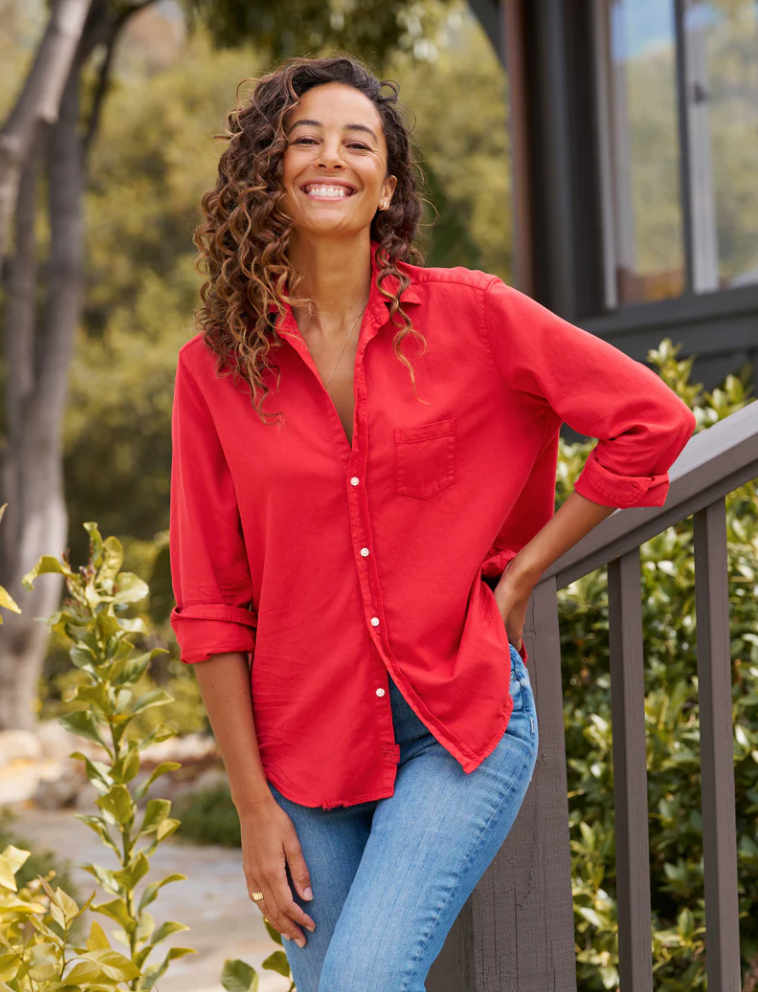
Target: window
<point>678,112</point>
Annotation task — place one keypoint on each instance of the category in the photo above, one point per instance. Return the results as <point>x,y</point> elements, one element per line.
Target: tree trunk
<point>39,352</point>
<point>33,457</point>
<point>39,101</point>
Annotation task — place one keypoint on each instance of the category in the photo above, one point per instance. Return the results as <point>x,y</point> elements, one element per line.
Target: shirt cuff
<point>202,631</point>
<point>603,486</point>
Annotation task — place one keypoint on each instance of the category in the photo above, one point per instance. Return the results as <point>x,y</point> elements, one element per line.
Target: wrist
<point>252,805</point>
<point>523,571</point>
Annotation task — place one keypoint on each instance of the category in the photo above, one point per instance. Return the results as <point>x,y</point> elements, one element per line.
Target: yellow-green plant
<point>238,976</point>
<point>35,950</point>
<point>93,618</point>
<point>6,599</point>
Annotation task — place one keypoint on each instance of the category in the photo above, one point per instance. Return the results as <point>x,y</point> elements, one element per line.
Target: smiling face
<point>335,165</point>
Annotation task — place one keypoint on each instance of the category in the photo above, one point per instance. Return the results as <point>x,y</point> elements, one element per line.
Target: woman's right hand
<point>269,844</point>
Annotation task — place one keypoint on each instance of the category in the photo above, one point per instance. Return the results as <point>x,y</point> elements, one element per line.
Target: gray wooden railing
<point>516,932</point>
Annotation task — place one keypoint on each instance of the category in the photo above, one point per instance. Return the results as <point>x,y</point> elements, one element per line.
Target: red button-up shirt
<point>333,564</point>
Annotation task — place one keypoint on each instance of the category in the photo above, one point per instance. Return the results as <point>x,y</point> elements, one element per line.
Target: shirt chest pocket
<point>425,458</point>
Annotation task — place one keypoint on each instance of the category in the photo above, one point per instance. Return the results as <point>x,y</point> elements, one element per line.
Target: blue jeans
<point>390,876</point>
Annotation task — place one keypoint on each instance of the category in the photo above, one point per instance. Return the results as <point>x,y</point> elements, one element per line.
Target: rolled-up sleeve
<point>579,379</point>
<point>209,565</point>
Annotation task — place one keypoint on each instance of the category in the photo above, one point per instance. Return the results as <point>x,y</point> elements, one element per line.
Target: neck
<point>336,275</point>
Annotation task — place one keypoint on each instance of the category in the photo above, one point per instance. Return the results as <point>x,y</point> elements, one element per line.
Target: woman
<point>352,564</point>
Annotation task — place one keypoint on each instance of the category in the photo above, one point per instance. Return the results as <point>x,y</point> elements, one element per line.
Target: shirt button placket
<point>360,524</point>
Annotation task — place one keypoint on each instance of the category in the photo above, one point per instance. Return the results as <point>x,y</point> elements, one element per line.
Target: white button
<point>375,621</point>
<point>354,481</point>
<point>364,552</point>
<point>380,692</point>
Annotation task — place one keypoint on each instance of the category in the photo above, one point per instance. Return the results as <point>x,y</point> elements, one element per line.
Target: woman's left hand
<point>512,596</point>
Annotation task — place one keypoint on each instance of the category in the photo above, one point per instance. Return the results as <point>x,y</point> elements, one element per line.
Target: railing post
<point>717,750</point>
<point>630,774</point>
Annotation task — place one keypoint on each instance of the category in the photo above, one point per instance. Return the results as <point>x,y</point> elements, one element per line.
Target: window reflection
<point>648,252</point>
<point>722,101</point>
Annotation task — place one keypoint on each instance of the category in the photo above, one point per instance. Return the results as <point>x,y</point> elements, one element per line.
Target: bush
<point>208,816</point>
<point>672,722</point>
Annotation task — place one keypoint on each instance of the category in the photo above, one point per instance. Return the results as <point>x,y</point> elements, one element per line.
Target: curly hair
<point>243,236</point>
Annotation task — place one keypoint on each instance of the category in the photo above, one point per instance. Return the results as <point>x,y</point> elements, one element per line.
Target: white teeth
<point>335,191</point>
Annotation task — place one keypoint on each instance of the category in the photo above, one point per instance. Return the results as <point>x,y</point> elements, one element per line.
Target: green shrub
<point>672,723</point>
<point>208,816</point>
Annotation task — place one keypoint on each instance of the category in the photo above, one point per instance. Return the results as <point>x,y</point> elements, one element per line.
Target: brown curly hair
<point>243,236</point>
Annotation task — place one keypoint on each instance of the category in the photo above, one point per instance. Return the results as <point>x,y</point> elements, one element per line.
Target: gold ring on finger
<point>257,896</point>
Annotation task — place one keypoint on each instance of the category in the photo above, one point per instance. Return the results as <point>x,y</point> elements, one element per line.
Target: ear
<point>388,188</point>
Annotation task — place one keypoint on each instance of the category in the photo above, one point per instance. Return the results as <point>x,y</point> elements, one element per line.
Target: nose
<point>331,154</point>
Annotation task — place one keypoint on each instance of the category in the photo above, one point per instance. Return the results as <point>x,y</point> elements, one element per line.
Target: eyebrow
<point>348,127</point>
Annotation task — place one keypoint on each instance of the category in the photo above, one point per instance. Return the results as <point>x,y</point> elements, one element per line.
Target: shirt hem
<point>315,803</point>
<point>471,764</point>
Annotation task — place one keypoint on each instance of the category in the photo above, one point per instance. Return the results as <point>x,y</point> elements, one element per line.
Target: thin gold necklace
<point>345,344</point>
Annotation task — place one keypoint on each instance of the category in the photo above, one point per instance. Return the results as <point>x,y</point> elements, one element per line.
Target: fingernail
<point>310,928</point>
<point>308,893</point>
<point>286,936</point>
<point>300,942</point>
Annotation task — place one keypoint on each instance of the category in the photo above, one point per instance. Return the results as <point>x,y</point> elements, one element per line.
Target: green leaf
<point>165,930</point>
<point>145,928</point>
<point>132,669</point>
<point>115,965</point>
<point>155,972</point>
<point>134,625</point>
<point>118,803</point>
<point>85,973</point>
<point>15,856</point>
<point>7,876</point>
<point>83,723</point>
<point>82,657</point>
<point>161,769</point>
<point>97,940</point>
<point>9,966</point>
<point>40,927</point>
<point>130,588</point>
<point>45,566</point>
<point>7,601</point>
<point>151,891</point>
<point>97,772</point>
<point>113,559</point>
<point>166,828</point>
<point>105,877</point>
<point>95,538</point>
<point>96,694</point>
<point>594,918</point>
<point>273,934</point>
<point>155,812</point>
<point>130,765</point>
<point>277,962</point>
<point>67,904</point>
<point>157,697</point>
<point>129,877</point>
<point>117,910</point>
<point>237,976</point>
<point>156,735</point>
<point>99,826</point>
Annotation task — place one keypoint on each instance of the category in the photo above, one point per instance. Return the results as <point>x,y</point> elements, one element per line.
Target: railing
<point>516,932</point>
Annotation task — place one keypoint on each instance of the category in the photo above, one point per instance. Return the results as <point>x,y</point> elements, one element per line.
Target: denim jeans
<point>390,876</point>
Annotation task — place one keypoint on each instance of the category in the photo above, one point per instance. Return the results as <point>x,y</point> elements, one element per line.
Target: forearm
<point>576,517</point>
<point>225,687</point>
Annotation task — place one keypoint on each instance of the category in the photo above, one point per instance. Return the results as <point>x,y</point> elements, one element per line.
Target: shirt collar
<point>390,282</point>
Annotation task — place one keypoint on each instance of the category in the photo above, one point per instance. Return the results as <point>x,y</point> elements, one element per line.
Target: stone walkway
<point>213,902</point>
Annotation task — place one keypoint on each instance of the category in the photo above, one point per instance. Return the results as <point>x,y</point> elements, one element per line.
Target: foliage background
<point>154,158</point>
